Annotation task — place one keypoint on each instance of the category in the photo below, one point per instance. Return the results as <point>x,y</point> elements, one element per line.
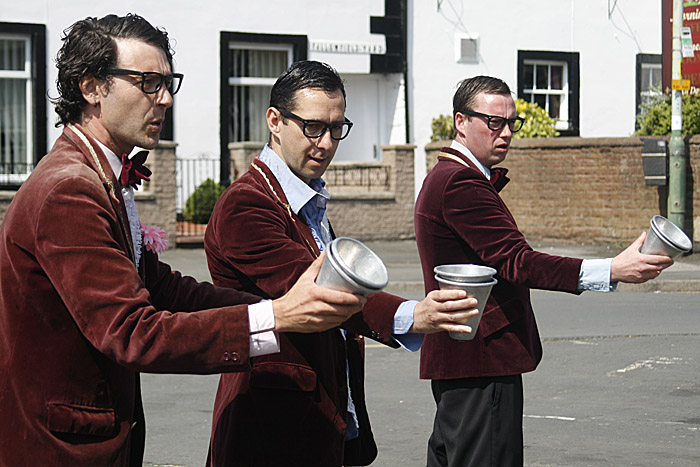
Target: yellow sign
<point>680,85</point>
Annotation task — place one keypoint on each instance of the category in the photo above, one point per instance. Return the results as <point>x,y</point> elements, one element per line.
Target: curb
<point>656,286</point>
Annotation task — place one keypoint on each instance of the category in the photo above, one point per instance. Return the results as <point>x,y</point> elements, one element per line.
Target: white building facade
<point>588,62</point>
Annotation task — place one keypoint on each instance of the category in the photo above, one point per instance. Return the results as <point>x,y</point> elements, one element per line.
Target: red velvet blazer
<point>290,409</point>
<point>78,322</point>
<point>460,218</point>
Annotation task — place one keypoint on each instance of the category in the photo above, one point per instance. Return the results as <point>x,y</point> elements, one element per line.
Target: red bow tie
<point>133,170</point>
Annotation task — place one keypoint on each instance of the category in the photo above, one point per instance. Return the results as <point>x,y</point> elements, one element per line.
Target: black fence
<point>13,174</point>
<point>358,176</point>
<point>197,190</point>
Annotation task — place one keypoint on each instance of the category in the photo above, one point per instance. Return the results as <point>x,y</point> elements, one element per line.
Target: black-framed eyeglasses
<point>496,123</point>
<point>151,82</point>
<point>317,128</point>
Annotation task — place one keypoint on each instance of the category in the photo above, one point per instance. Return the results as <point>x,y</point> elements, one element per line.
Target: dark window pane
<point>542,77</point>
<point>12,54</point>
<point>554,106</point>
<point>527,97</point>
<point>557,76</point>
<point>645,78</point>
<point>541,100</point>
<point>656,77</point>
<point>528,76</point>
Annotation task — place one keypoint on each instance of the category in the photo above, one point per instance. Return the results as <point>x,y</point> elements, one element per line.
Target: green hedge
<point>654,117</point>
<point>200,204</point>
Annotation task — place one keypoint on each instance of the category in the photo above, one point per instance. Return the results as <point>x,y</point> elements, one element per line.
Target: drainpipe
<point>677,151</point>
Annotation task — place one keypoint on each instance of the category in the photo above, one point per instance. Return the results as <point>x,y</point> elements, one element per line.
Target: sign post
<point>677,160</point>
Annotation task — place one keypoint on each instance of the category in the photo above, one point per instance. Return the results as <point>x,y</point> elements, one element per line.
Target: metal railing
<point>13,174</point>
<point>193,209</point>
<point>358,177</point>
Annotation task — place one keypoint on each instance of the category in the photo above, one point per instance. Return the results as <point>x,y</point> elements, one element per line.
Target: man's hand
<point>307,307</point>
<point>442,310</point>
<point>634,267</point>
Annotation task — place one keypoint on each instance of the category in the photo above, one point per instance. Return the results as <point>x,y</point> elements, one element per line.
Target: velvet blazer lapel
<point>95,158</point>
<point>268,180</point>
<point>498,174</point>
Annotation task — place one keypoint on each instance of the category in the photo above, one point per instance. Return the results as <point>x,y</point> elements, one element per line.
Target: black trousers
<point>478,423</point>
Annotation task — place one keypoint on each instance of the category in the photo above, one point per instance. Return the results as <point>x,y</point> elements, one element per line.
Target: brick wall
<point>587,190</point>
<point>370,201</point>
<point>377,214</point>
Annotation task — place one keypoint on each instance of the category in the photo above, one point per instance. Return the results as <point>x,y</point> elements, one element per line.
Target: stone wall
<point>587,190</point>
<point>155,200</point>
<point>376,211</point>
<point>370,201</point>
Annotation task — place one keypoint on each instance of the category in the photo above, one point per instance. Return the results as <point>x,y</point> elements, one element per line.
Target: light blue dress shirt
<point>309,201</point>
<point>594,273</point>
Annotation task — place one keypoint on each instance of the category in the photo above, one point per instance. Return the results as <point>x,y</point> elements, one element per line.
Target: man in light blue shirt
<point>268,224</point>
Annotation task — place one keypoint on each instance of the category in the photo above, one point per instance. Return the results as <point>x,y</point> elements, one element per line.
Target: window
<point>649,76</point>
<point>550,79</point>
<point>22,103</point>
<point>251,63</point>
<point>254,69</point>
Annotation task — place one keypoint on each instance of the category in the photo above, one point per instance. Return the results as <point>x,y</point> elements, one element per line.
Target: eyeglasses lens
<point>317,129</point>
<point>152,82</point>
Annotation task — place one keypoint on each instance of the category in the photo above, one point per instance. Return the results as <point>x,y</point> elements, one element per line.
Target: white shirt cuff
<point>403,320</point>
<point>261,319</point>
<point>595,275</point>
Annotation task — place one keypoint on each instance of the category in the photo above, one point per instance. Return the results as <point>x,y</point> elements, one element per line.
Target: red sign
<point>691,66</point>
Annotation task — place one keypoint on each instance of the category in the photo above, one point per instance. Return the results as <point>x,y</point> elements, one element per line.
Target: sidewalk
<point>406,278</point>
<point>402,260</point>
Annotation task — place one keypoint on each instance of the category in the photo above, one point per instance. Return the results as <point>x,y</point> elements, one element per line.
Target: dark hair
<point>89,48</point>
<point>305,74</point>
<point>469,88</point>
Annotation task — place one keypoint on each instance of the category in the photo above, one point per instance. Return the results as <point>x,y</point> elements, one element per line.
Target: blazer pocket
<point>279,375</point>
<point>80,419</point>
<point>500,316</point>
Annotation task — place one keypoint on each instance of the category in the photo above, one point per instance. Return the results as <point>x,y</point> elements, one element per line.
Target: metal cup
<point>350,266</point>
<point>665,238</point>
<point>465,272</point>
<point>478,290</point>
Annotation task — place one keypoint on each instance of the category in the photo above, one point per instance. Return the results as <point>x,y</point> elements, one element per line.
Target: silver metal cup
<point>465,272</point>
<point>478,290</point>
<point>665,238</point>
<point>350,266</point>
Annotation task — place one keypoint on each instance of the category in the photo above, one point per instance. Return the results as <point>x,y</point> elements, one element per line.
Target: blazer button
<point>235,357</point>
<point>226,357</point>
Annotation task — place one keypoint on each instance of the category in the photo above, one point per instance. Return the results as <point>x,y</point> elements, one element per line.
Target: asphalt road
<point>619,385</point>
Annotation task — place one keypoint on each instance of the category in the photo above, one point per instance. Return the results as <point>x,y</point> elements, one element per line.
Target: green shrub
<point>654,117</point>
<point>200,204</point>
<point>442,128</point>
<point>538,123</point>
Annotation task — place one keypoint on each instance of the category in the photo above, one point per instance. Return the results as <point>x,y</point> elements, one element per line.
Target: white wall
<point>194,29</point>
<point>607,45</point>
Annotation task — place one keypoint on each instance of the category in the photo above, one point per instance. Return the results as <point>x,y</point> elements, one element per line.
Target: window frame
<point>298,46</point>
<point>641,60</point>
<point>35,35</point>
<point>571,85</point>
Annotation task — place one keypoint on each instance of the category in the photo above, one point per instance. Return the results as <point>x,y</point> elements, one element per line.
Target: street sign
<point>681,85</point>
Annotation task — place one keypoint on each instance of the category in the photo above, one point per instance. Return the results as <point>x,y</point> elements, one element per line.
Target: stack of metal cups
<point>476,280</point>
<point>665,238</point>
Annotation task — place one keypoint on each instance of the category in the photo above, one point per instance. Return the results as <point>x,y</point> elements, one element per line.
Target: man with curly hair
<point>83,307</point>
